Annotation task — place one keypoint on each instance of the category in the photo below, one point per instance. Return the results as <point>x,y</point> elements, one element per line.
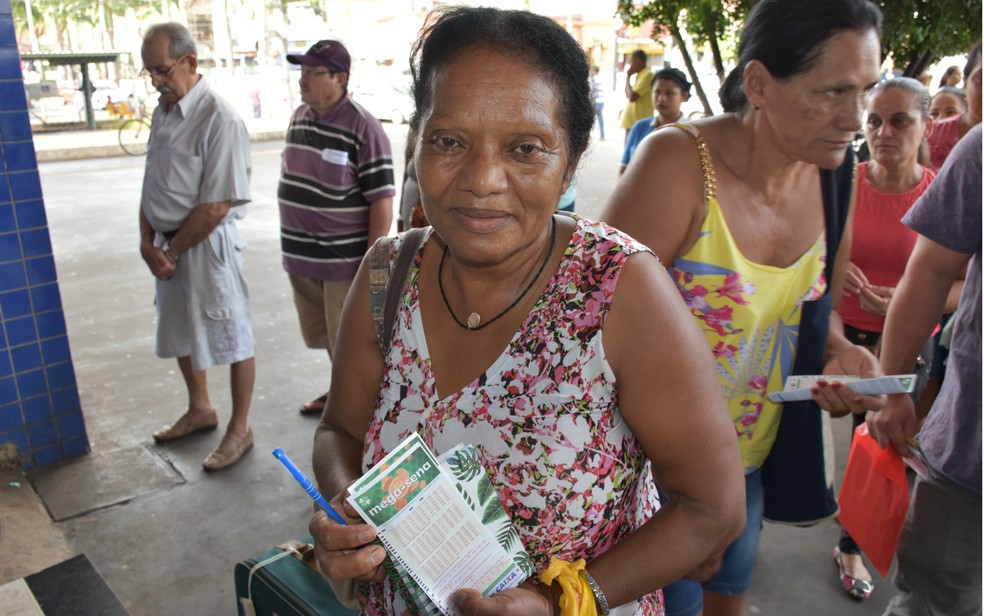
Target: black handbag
<point>797,476</point>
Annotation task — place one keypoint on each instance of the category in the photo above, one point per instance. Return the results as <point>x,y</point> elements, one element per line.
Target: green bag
<point>283,581</point>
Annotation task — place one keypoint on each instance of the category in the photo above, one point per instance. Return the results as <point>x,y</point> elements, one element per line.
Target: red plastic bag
<point>874,498</point>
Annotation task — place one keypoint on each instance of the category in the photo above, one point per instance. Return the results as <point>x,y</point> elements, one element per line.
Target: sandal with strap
<point>314,406</point>
<point>859,590</point>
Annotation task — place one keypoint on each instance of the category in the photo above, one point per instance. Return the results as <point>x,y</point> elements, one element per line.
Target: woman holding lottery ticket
<point>750,209</point>
<point>555,345</point>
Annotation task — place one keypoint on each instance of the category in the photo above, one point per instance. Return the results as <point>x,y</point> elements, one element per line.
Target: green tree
<point>666,15</point>
<point>714,21</point>
<point>918,33</point>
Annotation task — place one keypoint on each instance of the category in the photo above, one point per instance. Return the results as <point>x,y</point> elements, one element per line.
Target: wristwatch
<point>167,253</point>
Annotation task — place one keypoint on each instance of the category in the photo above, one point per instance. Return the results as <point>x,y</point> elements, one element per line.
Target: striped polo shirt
<point>333,167</point>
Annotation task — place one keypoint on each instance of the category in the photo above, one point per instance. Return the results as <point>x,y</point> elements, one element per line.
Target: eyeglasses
<point>312,73</point>
<point>163,73</point>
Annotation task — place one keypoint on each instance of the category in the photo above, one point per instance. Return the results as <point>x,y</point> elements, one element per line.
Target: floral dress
<point>544,416</point>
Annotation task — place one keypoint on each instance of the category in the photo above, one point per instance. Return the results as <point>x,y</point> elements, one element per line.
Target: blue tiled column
<point>40,415</point>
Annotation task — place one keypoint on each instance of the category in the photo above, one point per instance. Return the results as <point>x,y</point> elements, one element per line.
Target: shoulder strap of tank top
<point>706,169</point>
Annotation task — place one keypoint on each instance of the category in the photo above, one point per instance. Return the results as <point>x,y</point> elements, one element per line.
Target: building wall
<point>40,414</point>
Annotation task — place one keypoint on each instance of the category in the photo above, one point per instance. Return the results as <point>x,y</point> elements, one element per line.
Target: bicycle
<point>134,134</point>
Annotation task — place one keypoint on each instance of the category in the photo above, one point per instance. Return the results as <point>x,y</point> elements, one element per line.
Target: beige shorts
<point>203,310</point>
<point>319,309</point>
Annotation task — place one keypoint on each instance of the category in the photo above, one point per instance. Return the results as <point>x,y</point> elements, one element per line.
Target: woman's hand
<point>836,397</point>
<point>345,552</point>
<point>875,299</point>
<point>529,599</point>
<point>854,280</point>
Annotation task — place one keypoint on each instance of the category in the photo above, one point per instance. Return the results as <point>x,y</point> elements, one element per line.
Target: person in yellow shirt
<point>640,103</point>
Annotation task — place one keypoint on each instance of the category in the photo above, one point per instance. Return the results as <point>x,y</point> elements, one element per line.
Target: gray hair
<point>181,41</point>
<point>913,86</point>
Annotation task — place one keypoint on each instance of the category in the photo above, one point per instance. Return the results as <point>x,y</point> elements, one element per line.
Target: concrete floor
<point>163,533</point>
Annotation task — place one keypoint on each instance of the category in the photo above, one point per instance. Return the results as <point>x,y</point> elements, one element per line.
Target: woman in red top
<point>887,186</point>
<point>897,123</point>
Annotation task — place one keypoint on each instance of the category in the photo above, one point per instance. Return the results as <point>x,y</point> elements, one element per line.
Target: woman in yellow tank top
<point>735,204</point>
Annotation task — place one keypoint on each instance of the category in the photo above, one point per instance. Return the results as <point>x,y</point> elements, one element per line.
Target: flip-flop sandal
<point>859,590</point>
<point>314,406</point>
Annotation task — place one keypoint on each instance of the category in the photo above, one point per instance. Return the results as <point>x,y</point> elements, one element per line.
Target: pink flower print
<point>685,277</point>
<point>759,383</point>
<point>718,319</point>
<point>735,290</point>
<point>588,318</point>
<point>695,297</point>
<point>724,350</point>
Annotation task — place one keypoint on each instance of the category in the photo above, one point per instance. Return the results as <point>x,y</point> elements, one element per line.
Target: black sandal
<point>314,406</point>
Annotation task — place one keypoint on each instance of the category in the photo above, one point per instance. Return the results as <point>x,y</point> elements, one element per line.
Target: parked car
<point>388,99</point>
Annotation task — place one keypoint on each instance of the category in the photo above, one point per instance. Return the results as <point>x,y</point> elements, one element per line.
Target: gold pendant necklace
<point>474,319</point>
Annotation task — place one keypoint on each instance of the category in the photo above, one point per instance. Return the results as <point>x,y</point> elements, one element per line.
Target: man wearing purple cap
<point>336,194</point>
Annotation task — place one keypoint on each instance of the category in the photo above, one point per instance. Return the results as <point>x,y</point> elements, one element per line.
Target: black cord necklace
<point>475,319</point>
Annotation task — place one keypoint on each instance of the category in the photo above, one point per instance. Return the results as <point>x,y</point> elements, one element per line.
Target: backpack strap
<point>384,275</point>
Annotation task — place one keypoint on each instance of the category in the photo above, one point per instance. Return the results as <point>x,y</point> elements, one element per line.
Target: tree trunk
<point>678,39</point>
<point>917,65</point>
<point>716,54</point>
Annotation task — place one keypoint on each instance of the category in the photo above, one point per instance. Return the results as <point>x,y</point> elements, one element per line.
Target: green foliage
<point>919,32</point>
<point>524,562</point>
<point>493,510</point>
<point>19,9</point>
<point>716,19</point>
<point>916,33</point>
<point>465,465</point>
<point>662,12</point>
<point>507,536</point>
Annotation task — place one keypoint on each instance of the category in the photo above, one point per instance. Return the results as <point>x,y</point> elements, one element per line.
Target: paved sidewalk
<point>56,145</point>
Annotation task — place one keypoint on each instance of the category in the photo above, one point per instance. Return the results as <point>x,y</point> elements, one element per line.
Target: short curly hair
<point>534,39</point>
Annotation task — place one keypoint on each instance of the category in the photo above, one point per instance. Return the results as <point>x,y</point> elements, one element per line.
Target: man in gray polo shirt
<point>195,185</point>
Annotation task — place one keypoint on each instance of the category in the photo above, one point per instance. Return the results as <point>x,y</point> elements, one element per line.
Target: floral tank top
<point>544,416</point>
<point>750,314</point>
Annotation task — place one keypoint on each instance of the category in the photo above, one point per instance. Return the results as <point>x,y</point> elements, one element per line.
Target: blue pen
<point>312,491</point>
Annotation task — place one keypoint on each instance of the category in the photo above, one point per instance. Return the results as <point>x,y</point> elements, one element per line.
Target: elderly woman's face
<point>492,158</point>
<point>894,127</point>
<point>815,115</point>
